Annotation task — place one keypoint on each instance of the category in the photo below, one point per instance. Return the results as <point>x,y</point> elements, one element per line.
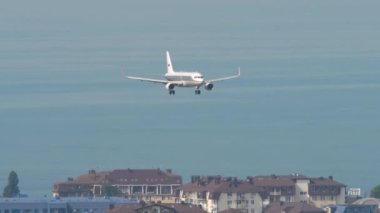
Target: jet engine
<point>169,86</point>
<point>209,86</point>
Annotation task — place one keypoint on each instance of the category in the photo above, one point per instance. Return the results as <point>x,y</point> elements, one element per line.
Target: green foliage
<point>111,191</point>
<point>12,190</point>
<point>375,192</point>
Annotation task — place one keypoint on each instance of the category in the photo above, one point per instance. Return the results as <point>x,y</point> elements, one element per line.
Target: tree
<point>111,191</point>
<point>12,190</point>
<point>375,192</point>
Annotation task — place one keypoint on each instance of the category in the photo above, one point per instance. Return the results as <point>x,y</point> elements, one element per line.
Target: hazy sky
<point>307,100</point>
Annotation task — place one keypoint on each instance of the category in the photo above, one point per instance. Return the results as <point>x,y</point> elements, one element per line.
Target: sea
<point>307,101</point>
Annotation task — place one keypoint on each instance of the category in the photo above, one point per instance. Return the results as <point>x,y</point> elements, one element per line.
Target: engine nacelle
<point>169,86</point>
<point>209,86</point>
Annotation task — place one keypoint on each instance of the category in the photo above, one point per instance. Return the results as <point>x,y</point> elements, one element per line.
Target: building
<point>82,186</point>
<point>61,205</point>
<point>299,188</point>
<point>156,208</point>
<point>282,188</point>
<point>150,185</point>
<point>352,208</point>
<point>215,194</point>
<point>292,207</point>
<point>326,191</point>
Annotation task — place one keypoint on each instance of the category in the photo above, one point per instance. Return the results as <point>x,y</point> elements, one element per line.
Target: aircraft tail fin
<point>169,66</point>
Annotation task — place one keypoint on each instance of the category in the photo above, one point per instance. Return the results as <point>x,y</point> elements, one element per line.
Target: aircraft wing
<point>226,78</point>
<point>149,80</point>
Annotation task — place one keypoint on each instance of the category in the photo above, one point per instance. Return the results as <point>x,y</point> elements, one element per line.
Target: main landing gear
<point>197,92</point>
<point>171,92</point>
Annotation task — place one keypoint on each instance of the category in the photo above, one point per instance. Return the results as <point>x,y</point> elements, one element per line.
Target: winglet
<point>238,71</point>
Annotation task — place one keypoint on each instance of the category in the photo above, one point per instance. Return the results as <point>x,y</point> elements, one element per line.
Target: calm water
<point>307,100</point>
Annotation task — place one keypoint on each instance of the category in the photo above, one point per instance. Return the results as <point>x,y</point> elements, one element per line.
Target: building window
<point>151,190</point>
<point>166,190</point>
<point>137,189</point>
<point>252,202</point>
<point>241,196</point>
<point>323,198</point>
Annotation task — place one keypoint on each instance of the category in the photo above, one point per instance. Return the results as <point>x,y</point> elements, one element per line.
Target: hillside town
<point>163,189</point>
<point>157,188</point>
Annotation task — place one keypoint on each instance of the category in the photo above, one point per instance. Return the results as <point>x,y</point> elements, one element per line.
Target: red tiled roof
<point>127,176</point>
<point>240,186</point>
<point>196,187</point>
<point>179,208</point>
<point>222,186</point>
<point>225,185</point>
<point>142,176</point>
<point>274,181</point>
<point>91,178</point>
<point>292,208</point>
<point>324,186</point>
<point>322,181</point>
<point>85,183</point>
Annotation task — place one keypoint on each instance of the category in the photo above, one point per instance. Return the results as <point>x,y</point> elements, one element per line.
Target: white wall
<point>302,186</point>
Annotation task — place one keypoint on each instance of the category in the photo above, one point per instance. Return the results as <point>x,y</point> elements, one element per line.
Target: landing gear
<point>171,92</point>
<point>197,92</point>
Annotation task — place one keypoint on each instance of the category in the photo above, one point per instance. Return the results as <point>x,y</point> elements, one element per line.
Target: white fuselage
<point>186,79</point>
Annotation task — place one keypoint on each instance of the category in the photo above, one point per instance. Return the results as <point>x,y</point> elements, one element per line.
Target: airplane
<point>184,79</point>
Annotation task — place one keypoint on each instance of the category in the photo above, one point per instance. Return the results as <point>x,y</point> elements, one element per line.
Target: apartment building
<point>326,191</point>
<point>279,188</point>
<point>319,191</point>
<point>150,185</point>
<point>215,194</point>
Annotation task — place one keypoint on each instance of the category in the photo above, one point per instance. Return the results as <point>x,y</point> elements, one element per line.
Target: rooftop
<point>126,177</point>
<point>292,208</point>
<point>143,176</point>
<point>176,208</point>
